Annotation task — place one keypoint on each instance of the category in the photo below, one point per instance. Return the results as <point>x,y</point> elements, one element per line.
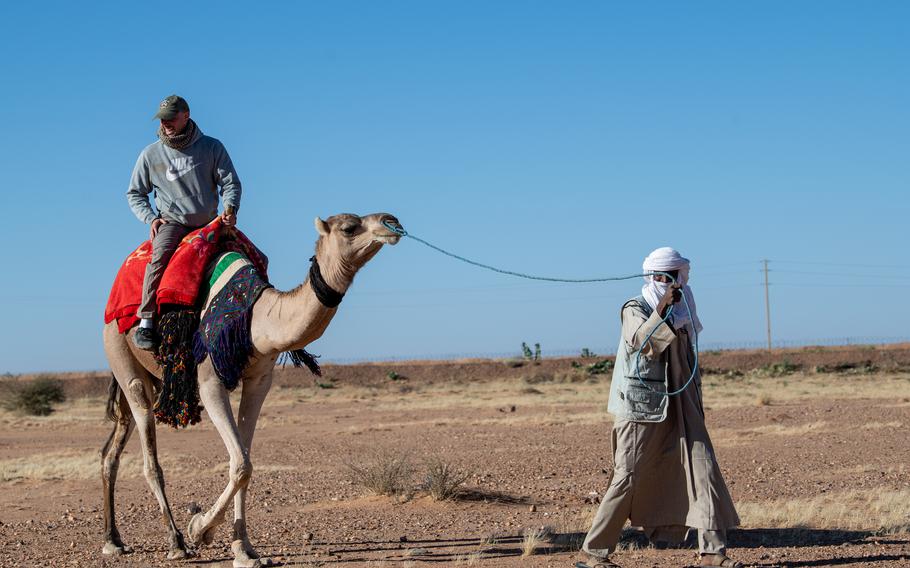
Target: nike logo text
<point>179,168</point>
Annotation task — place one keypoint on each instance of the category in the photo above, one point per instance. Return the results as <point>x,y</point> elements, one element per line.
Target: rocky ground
<point>813,445</point>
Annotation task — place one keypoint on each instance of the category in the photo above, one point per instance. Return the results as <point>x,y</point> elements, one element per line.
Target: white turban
<point>666,259</point>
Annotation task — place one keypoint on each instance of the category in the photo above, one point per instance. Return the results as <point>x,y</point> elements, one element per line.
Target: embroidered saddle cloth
<point>184,274</point>
<point>224,329</point>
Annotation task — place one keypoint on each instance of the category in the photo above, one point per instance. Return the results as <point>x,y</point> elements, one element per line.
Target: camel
<point>281,321</point>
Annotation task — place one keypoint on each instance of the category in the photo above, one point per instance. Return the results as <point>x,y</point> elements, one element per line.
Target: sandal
<point>721,560</point>
<point>603,563</point>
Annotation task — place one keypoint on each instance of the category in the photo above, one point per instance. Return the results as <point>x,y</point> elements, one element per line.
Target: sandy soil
<point>816,459</point>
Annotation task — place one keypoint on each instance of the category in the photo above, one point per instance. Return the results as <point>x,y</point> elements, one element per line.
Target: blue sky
<point>563,139</point>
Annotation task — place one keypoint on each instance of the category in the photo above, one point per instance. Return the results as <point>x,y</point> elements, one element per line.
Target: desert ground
<point>813,443</point>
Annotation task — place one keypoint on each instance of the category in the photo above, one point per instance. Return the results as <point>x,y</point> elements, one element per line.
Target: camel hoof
<point>246,557</point>
<point>112,549</point>
<point>192,532</point>
<point>180,554</point>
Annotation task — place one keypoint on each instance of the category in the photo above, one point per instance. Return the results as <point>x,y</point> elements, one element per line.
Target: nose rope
<point>401,232</point>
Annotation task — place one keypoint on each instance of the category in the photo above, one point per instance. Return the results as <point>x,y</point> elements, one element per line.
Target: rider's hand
<point>671,296</point>
<point>156,224</point>
<point>229,218</point>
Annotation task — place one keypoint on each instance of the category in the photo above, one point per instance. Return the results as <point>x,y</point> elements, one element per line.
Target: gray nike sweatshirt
<point>185,182</point>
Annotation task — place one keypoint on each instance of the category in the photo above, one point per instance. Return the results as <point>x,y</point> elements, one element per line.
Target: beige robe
<point>665,474</point>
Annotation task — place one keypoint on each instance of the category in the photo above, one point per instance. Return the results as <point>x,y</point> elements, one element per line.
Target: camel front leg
<point>254,392</point>
<point>217,404</point>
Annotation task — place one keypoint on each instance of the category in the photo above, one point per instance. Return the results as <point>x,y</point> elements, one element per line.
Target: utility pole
<point>767,305</point>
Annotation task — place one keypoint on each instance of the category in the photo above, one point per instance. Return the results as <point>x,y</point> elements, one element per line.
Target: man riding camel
<point>184,168</point>
<point>665,473</point>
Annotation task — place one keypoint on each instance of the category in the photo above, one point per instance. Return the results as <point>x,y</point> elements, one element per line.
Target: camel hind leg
<point>119,413</point>
<point>135,383</point>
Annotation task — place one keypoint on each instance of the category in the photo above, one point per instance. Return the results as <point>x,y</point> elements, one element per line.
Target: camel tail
<point>113,400</point>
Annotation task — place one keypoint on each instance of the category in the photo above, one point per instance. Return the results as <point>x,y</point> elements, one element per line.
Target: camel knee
<point>241,472</point>
<point>109,467</point>
<point>137,392</point>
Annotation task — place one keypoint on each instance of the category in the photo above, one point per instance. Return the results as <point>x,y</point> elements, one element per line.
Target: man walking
<point>184,168</point>
<point>665,474</point>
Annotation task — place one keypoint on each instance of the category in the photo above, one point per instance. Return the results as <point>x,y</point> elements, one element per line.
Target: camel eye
<point>349,229</point>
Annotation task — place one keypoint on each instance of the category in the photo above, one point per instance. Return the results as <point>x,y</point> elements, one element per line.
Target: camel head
<point>349,241</point>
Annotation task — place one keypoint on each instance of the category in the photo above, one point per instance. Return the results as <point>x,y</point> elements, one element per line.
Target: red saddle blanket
<point>183,275</point>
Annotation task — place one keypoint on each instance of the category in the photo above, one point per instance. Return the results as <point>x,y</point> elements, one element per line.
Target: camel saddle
<point>184,276</point>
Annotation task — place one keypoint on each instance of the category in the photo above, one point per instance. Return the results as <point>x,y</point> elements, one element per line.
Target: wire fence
<point>704,347</point>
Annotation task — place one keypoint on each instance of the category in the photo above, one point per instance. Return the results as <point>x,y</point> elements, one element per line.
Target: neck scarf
<point>179,141</point>
<point>666,259</point>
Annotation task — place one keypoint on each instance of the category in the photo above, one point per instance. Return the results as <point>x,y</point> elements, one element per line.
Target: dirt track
<point>816,462</point>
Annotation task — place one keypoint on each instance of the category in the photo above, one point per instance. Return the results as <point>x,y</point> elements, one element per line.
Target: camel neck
<point>328,296</point>
<point>283,321</point>
<point>335,272</point>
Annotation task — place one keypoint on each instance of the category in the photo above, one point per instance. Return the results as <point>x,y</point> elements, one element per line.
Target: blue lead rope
<point>400,231</point>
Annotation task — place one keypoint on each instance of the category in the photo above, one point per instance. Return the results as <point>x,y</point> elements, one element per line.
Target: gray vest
<point>629,398</point>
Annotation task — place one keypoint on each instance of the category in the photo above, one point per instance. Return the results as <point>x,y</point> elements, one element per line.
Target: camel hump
<point>222,269</point>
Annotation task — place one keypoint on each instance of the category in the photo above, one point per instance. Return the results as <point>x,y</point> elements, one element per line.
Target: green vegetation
<point>528,354</point>
<point>601,367</point>
<point>779,369</point>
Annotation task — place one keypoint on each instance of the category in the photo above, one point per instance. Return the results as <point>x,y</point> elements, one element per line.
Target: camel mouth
<point>387,239</point>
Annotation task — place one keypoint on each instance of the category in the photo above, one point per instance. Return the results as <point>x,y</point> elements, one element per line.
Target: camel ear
<point>321,226</point>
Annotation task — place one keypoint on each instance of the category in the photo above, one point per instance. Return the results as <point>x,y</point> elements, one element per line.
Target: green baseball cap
<point>170,106</point>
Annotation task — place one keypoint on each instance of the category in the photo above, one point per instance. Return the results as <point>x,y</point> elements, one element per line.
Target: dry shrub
<point>443,480</point>
<point>83,464</point>
<point>886,512</point>
<point>763,400</point>
<point>538,378</point>
<point>60,465</point>
<point>533,538</point>
<point>35,397</point>
<point>384,473</point>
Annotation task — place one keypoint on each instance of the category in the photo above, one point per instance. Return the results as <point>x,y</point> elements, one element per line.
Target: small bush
<point>587,353</point>
<point>780,369</point>
<point>35,397</point>
<point>538,378</point>
<point>443,481</point>
<point>599,368</point>
<point>393,376</point>
<point>385,473</point>
<point>533,538</point>
<point>864,368</point>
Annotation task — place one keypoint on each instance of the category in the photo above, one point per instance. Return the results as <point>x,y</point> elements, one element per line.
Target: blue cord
<point>648,338</point>
<point>400,231</point>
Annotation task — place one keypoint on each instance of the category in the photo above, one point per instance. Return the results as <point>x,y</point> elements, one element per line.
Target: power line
<point>891,267</point>
<point>888,276</point>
